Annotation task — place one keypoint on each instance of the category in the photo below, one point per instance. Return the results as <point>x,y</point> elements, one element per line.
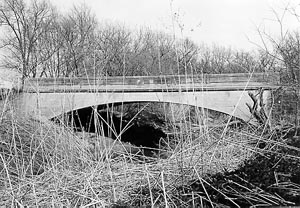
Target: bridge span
<point>45,98</point>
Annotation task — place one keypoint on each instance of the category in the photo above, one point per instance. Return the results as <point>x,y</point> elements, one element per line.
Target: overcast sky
<point>225,22</point>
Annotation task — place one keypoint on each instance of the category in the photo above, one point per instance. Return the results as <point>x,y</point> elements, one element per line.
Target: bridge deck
<point>206,82</point>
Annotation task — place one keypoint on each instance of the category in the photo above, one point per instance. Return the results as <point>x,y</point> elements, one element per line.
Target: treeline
<point>41,42</point>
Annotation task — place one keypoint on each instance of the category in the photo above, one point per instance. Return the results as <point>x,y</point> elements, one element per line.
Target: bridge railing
<point>206,81</point>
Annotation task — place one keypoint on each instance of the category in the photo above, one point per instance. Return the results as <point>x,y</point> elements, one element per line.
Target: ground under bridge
<point>45,98</point>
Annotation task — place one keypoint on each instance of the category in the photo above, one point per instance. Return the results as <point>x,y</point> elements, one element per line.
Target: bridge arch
<point>49,105</point>
<point>129,102</point>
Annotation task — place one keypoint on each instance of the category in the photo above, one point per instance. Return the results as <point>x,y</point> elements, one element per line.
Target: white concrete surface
<point>48,105</point>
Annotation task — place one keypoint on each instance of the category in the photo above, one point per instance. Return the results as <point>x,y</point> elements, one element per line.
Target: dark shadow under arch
<point>111,125</point>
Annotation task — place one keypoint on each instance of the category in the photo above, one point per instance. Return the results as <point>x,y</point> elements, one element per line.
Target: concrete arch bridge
<point>45,98</point>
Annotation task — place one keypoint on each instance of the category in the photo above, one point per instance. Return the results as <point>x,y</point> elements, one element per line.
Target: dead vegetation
<point>270,177</point>
<point>202,165</point>
<point>43,164</point>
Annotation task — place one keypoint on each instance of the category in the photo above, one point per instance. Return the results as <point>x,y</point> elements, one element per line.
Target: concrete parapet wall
<point>212,82</point>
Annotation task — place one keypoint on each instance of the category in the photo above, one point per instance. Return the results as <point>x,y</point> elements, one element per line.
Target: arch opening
<point>232,103</point>
<point>129,122</point>
<point>140,123</point>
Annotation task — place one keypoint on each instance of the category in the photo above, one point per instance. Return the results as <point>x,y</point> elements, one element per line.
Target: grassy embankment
<point>43,164</point>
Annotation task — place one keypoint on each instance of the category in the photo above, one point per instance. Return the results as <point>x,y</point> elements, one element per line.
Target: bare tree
<point>215,59</point>
<point>152,53</point>
<point>282,53</point>
<point>244,62</point>
<point>114,46</point>
<point>77,33</point>
<point>289,51</point>
<point>188,55</point>
<point>282,50</point>
<point>24,27</point>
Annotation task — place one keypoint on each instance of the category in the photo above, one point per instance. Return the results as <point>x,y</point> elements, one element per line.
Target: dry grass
<point>43,164</point>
